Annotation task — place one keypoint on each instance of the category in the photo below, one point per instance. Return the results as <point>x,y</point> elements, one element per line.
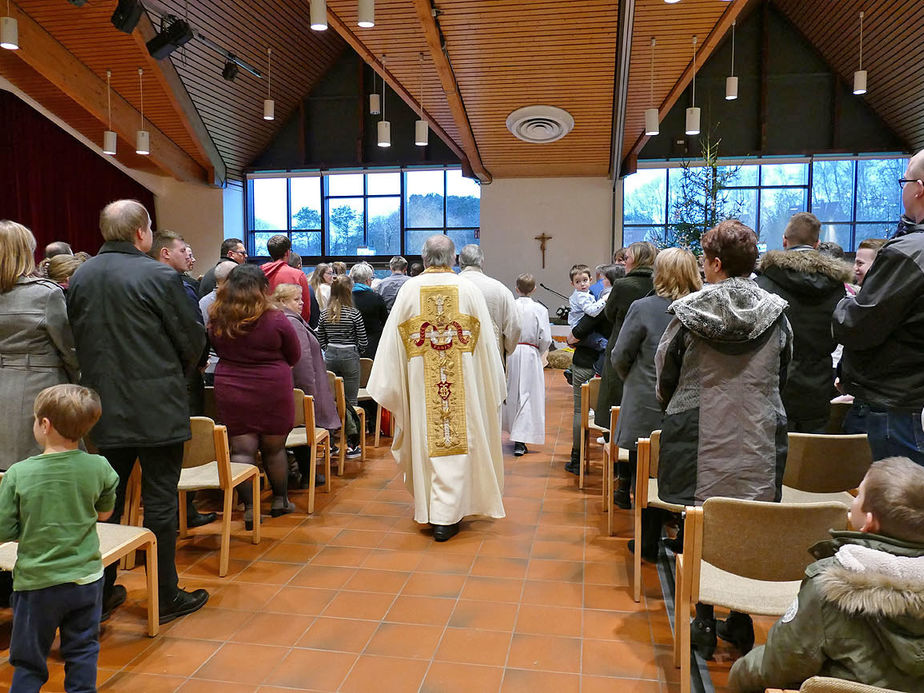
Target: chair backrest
<point>365,370</point>
<point>655,447</point>
<point>209,443</point>
<point>336,386</point>
<point>589,394</point>
<point>826,463</point>
<point>836,418</point>
<point>765,541</point>
<point>614,422</point>
<point>824,684</point>
<point>299,397</point>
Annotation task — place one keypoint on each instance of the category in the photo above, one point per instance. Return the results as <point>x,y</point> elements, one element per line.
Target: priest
<point>438,371</point>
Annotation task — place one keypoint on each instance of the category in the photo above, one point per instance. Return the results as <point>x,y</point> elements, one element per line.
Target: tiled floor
<point>359,598</point>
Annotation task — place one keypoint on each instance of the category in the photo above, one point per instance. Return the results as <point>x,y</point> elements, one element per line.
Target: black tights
<point>272,449</point>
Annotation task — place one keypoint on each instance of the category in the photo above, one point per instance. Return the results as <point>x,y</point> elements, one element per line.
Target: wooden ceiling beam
<point>450,87</point>
<point>179,98</point>
<point>45,55</point>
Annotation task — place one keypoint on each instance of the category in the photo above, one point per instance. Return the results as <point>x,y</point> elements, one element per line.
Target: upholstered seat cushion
<point>760,597</point>
<point>792,495</point>
<point>206,476</point>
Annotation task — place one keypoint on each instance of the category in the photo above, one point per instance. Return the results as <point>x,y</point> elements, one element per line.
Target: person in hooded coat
<point>721,365</point>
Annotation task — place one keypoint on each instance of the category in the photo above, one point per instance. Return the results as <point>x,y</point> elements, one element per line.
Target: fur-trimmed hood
<point>805,272</point>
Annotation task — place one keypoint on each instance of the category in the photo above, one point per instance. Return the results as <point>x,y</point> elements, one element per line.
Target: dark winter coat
<point>635,285</point>
<point>812,284</point>
<point>882,327</point>
<point>585,356</point>
<point>720,366</point>
<point>859,616</point>
<point>372,307</point>
<point>137,336</point>
<point>207,284</point>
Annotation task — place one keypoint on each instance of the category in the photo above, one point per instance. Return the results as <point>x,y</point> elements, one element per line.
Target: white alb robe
<point>524,410</point>
<point>501,307</point>
<point>447,428</point>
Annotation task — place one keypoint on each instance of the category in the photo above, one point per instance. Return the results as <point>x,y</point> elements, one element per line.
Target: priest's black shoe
<point>738,629</point>
<point>113,601</point>
<point>649,553</point>
<point>445,532</point>
<point>702,637</point>
<point>200,519</point>
<point>182,603</point>
<point>519,449</point>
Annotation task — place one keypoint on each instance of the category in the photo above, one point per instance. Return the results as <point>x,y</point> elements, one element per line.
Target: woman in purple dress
<point>257,348</point>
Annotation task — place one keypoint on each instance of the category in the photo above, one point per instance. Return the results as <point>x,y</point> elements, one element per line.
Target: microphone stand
<point>553,291</point>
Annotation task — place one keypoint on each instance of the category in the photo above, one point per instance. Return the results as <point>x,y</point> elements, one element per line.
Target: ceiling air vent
<point>540,124</point>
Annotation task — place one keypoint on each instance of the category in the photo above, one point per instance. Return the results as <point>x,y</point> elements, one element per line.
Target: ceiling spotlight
<point>174,32</point>
<point>126,15</point>
<point>230,70</point>
<point>318,14</point>
<point>366,13</point>
<point>9,30</point>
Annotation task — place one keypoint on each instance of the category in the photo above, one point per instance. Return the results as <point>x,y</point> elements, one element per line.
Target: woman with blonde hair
<point>320,281</point>
<point>61,268</point>
<point>342,335</point>
<point>256,348</point>
<point>36,344</point>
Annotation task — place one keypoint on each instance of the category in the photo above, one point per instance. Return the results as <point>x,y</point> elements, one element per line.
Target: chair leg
<point>312,475</point>
<point>150,569</point>
<point>256,508</point>
<point>583,457</point>
<point>603,480</point>
<point>610,487</point>
<point>681,621</point>
<point>637,557</point>
<point>224,555</point>
<point>341,456</point>
<point>327,474</point>
<point>378,423</point>
<point>184,530</point>
<point>361,413</point>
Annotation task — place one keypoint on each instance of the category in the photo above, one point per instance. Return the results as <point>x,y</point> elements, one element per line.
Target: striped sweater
<point>350,330</point>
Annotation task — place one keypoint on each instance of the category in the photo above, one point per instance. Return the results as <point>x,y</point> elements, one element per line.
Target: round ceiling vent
<point>540,124</point>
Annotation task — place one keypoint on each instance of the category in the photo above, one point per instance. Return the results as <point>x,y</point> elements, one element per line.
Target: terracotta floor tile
<point>330,577</point>
<point>202,686</point>
<point>473,647</point>
<point>205,624</point>
<point>363,538</point>
<point>338,634</point>
<point>480,615</point>
<point>557,550</point>
<point>390,581</point>
<point>242,663</point>
<point>388,509</point>
<point>141,683</point>
<point>459,564</point>
<point>434,585</point>
<point>492,589</point>
<point>290,552</point>
<point>267,573</point>
<point>272,629</point>
<point>172,657</point>
<point>545,652</point>
<point>610,598</point>
<point>467,541</point>
<point>609,625</point>
<point>392,560</point>
<point>393,674</point>
<point>340,556</point>
<point>620,659</point>
<point>600,684</point>
<point>312,669</point>
<point>405,640</point>
<point>405,541</point>
<point>424,610</point>
<point>565,571</point>
<point>549,620</point>
<point>117,647</point>
<point>507,547</point>
<point>307,601</point>
<point>494,566</point>
<point>612,573</point>
<point>313,534</point>
<point>362,605</point>
<point>451,677</point>
<point>519,680</point>
<point>380,523</point>
<point>553,593</point>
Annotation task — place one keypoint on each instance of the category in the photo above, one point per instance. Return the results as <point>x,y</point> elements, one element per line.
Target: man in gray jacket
<point>137,336</point>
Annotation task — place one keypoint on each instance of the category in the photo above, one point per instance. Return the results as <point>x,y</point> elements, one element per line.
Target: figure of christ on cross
<point>542,238</point>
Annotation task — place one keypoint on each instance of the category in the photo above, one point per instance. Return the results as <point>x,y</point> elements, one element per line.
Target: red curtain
<point>53,183</point>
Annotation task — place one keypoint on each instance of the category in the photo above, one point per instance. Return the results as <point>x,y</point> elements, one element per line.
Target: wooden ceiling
<point>474,61</point>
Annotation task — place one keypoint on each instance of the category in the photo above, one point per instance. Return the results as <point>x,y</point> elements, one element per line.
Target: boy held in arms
<point>50,504</point>
<point>583,303</point>
<point>859,614</point>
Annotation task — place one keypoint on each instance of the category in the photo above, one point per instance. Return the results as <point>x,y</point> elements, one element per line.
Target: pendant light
<point>421,127</point>
<point>109,137</point>
<point>9,30</point>
<point>269,106</point>
<point>384,130</point>
<point>692,125</point>
<point>375,103</point>
<point>142,137</point>
<point>731,82</point>
<point>319,15</point>
<point>651,114</point>
<point>366,18</point>
<point>859,77</point>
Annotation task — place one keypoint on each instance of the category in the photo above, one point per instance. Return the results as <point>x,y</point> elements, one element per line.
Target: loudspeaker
<point>126,15</point>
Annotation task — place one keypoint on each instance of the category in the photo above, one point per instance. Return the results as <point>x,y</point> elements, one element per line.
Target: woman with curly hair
<point>257,348</point>
<point>320,281</point>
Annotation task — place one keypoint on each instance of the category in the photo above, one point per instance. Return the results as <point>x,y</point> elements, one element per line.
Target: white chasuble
<point>438,372</point>
<point>524,410</point>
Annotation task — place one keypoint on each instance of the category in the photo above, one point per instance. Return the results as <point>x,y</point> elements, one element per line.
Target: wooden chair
<point>646,496</point>
<point>612,454</point>
<point>336,386</point>
<point>589,393</point>
<point>748,556</point>
<point>823,468</point>
<point>365,370</point>
<point>307,434</point>
<point>207,464</point>
<point>115,541</point>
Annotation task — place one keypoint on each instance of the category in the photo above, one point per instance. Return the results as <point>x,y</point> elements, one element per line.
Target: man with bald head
<point>882,330</point>
<point>137,338</point>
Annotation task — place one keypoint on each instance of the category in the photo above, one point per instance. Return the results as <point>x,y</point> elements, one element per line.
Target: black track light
<point>174,32</point>
<point>230,70</point>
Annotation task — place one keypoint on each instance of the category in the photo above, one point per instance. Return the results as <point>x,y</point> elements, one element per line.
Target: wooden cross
<point>542,239</point>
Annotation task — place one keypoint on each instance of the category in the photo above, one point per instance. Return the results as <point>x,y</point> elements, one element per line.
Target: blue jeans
<point>37,614</point>
<point>891,432</point>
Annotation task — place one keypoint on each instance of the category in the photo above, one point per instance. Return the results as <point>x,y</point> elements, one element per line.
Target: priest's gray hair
<point>471,256</point>
<point>438,251</point>
<point>362,273</point>
<point>223,269</point>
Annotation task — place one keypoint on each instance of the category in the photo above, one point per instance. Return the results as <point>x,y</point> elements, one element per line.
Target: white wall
<point>576,212</point>
<point>195,211</point>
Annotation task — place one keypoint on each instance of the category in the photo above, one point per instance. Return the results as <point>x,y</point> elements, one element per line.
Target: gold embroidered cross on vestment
<point>441,334</point>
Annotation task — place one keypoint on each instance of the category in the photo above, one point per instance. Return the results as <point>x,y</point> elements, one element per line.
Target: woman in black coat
<point>370,305</point>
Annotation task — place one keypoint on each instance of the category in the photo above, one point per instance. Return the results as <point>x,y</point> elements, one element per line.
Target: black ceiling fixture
<point>126,15</point>
<point>230,70</point>
<point>174,32</point>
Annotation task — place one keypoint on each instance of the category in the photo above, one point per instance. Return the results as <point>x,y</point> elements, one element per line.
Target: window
<point>361,213</point>
<point>853,198</point>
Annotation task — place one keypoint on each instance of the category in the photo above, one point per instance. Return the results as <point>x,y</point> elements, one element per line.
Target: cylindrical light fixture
<point>859,77</point>
<point>671,2</point>
<point>142,137</point>
<point>109,137</point>
<point>318,15</point>
<point>693,113</point>
<point>384,139</point>
<point>652,118</point>
<point>731,82</point>
<point>366,16</point>
<point>9,30</point>
<point>421,127</point>
<point>269,106</point>
<point>375,104</point>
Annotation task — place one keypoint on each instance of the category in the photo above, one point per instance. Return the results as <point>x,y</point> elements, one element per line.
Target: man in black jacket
<point>882,330</point>
<point>812,284</point>
<point>231,249</point>
<point>137,336</point>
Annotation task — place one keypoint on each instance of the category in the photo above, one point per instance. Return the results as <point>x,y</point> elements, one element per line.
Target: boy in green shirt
<point>50,504</point>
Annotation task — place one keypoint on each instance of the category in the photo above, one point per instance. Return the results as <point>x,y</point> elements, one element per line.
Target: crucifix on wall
<point>542,238</point>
